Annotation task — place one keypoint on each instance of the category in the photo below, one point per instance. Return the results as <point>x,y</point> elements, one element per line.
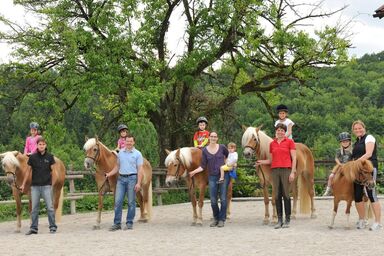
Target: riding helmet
<point>34,125</point>
<point>281,107</point>
<point>202,119</point>
<point>122,127</point>
<point>344,136</point>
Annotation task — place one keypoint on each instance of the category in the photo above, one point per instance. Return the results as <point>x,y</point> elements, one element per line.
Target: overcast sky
<point>368,32</point>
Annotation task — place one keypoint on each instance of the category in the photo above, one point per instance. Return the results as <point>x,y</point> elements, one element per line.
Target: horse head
<point>251,141</point>
<point>175,167</point>
<point>10,164</point>
<point>92,150</point>
<point>364,174</point>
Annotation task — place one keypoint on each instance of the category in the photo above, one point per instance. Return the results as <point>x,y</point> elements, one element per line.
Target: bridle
<point>14,180</point>
<point>97,154</point>
<point>257,150</point>
<point>364,180</point>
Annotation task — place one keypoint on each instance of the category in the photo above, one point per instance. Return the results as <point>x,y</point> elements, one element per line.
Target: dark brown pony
<point>359,171</point>
<point>104,159</point>
<point>15,167</point>
<point>179,163</point>
<point>256,143</point>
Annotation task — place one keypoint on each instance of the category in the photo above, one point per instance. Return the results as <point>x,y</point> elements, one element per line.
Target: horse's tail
<point>306,182</point>
<point>149,204</point>
<point>59,210</point>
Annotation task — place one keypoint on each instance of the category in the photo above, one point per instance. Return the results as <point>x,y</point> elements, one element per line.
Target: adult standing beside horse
<point>283,164</point>
<point>40,163</point>
<point>365,148</point>
<point>213,157</point>
<point>130,166</point>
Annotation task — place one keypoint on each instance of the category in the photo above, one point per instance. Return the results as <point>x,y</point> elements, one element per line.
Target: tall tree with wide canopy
<point>117,53</point>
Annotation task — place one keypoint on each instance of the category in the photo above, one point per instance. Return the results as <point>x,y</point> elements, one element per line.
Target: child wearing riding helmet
<point>343,155</point>
<point>31,141</point>
<point>282,111</point>
<point>200,139</point>
<point>123,131</point>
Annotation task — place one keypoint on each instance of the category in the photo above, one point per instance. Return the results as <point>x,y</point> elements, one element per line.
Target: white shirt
<point>287,123</point>
<point>232,158</point>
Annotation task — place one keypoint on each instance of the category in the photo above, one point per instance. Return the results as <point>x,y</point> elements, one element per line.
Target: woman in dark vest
<point>365,148</point>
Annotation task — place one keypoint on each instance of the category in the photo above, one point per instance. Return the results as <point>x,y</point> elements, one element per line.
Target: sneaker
<point>115,227</point>
<point>214,223</point>
<point>128,226</point>
<point>52,231</point>
<point>220,224</point>
<point>360,224</point>
<point>220,181</point>
<point>31,232</point>
<point>375,226</point>
<point>328,191</point>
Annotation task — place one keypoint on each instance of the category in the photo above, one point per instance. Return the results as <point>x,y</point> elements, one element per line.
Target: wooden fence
<point>158,183</point>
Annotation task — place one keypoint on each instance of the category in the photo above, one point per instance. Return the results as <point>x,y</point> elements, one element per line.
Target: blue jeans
<point>44,192</point>
<point>214,190</point>
<point>125,185</point>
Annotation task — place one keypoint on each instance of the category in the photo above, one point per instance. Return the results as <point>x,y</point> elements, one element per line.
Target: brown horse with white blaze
<point>179,163</point>
<point>105,160</point>
<point>359,171</point>
<point>256,143</point>
<point>15,166</point>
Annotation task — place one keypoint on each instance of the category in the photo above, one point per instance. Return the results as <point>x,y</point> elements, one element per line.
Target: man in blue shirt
<point>130,168</point>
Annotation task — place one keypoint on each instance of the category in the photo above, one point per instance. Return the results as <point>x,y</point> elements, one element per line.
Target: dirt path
<point>170,233</point>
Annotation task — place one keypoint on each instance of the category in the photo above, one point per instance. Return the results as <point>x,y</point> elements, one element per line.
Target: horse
<point>359,171</point>
<point>15,166</point>
<point>104,159</point>
<point>179,163</point>
<point>256,142</point>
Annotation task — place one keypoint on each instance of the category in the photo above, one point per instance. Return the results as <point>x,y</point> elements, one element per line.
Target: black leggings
<point>360,191</point>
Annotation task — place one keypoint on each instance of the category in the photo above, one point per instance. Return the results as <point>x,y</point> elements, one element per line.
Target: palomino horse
<point>179,163</point>
<point>15,167</point>
<point>256,142</point>
<point>359,171</point>
<point>104,159</point>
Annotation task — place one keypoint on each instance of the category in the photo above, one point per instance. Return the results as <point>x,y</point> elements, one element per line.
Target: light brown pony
<point>179,163</point>
<point>15,167</point>
<point>104,159</point>
<point>359,171</point>
<point>256,143</point>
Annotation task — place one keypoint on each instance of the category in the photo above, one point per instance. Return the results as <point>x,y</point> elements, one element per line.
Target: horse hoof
<point>143,220</point>
<point>330,227</point>
<point>347,228</point>
<point>193,224</point>
<point>199,224</point>
<point>17,231</point>
<point>96,227</point>
<point>313,216</point>
<point>265,222</point>
<point>293,217</point>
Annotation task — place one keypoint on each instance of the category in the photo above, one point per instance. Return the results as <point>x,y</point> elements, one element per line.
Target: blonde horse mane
<point>9,158</point>
<point>92,142</point>
<point>185,157</point>
<point>351,169</point>
<point>262,137</point>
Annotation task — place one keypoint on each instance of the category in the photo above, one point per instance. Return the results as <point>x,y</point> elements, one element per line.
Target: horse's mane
<point>91,143</point>
<point>185,156</point>
<point>263,137</point>
<point>350,169</point>
<point>10,159</point>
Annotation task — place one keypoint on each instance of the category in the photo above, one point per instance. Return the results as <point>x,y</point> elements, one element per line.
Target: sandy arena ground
<point>170,233</point>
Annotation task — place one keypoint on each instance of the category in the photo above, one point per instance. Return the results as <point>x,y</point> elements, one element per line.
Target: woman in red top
<point>283,164</point>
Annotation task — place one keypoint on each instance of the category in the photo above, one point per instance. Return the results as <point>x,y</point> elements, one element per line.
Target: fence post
<point>157,186</point>
<point>72,190</point>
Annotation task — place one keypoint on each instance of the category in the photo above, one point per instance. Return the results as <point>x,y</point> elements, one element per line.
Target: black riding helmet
<point>122,127</point>
<point>281,107</point>
<point>344,136</point>
<point>202,119</point>
<point>34,125</point>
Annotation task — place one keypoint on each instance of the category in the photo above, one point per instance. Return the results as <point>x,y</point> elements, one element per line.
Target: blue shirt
<point>129,161</point>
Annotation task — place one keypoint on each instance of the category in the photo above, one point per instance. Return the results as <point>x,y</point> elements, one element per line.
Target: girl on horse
<point>343,155</point>
<point>200,139</point>
<point>123,131</point>
<point>31,141</point>
<point>282,111</point>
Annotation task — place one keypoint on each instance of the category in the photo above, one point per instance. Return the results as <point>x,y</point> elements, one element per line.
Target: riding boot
<point>287,210</point>
<point>279,210</point>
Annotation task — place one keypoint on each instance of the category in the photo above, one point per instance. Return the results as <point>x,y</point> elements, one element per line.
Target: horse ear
<point>244,127</point>
<point>15,153</point>
<point>167,151</point>
<point>97,138</point>
<point>258,128</point>
<point>86,138</point>
<point>178,153</point>
<point>2,155</point>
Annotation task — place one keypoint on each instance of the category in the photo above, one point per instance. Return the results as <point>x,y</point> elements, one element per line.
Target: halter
<point>97,154</point>
<point>364,182</point>
<point>14,180</point>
